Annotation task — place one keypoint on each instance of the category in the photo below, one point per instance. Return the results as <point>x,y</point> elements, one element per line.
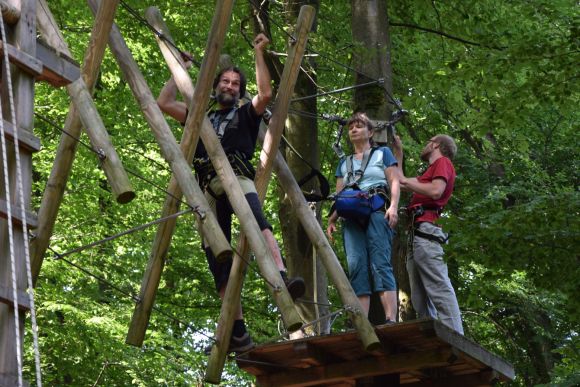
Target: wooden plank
<point>31,219</point>
<point>57,68</point>
<point>473,350</point>
<point>473,380</point>
<point>25,62</point>
<point>357,369</point>
<point>26,139</point>
<point>7,297</point>
<point>23,37</point>
<point>418,336</point>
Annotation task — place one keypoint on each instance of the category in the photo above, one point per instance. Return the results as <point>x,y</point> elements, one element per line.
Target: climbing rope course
<point>332,119</point>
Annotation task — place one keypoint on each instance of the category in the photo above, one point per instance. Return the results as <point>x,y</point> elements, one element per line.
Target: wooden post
<point>223,168</point>
<point>152,276</point>
<point>86,109</point>
<point>55,186</point>
<point>23,93</point>
<point>280,111</point>
<point>194,195</point>
<point>10,11</point>
<point>324,250</point>
<point>268,154</point>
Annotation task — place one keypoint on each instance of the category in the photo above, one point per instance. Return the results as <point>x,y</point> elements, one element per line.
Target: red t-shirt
<point>442,168</point>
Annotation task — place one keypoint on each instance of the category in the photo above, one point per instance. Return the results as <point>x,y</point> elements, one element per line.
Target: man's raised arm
<point>263,80</point>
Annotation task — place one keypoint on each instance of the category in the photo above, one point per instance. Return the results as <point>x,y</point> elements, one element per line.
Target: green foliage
<point>509,95</point>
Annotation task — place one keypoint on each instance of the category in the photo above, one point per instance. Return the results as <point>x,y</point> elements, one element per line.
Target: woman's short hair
<point>447,145</point>
<point>360,117</point>
<point>237,70</point>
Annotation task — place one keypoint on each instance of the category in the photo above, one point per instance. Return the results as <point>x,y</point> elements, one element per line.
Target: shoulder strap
<point>353,177</point>
<point>220,126</point>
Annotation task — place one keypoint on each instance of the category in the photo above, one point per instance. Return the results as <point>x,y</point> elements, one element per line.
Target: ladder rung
<point>21,59</point>
<point>6,297</point>
<point>26,139</point>
<point>31,219</point>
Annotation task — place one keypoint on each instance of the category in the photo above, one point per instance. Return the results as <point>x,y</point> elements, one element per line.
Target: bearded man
<point>432,293</point>
<point>237,128</point>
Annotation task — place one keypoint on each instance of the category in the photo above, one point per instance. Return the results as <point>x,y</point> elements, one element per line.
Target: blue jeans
<point>368,253</point>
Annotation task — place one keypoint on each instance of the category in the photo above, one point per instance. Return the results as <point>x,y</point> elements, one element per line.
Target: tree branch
<point>442,33</point>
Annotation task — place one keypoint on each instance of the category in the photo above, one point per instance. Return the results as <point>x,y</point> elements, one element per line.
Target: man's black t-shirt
<point>240,134</point>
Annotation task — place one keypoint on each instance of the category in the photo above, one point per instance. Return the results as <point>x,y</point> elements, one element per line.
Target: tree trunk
<point>302,133</point>
<point>372,60</point>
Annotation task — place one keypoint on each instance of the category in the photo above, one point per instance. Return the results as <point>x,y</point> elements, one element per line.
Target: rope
<point>360,85</point>
<point>11,243</point>
<point>312,51</point>
<point>130,171</point>
<point>126,232</point>
<point>133,297</point>
<point>159,34</point>
<point>20,188</point>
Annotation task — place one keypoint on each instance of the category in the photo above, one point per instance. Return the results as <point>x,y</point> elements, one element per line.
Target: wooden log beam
<point>207,222</point>
<point>80,94</point>
<point>7,298</point>
<point>26,139</point>
<point>24,61</point>
<point>31,219</point>
<point>325,252</point>
<point>268,154</point>
<point>57,69</point>
<point>233,190</point>
<point>164,233</point>
<point>339,372</point>
<point>286,89</point>
<point>65,154</point>
<point>10,11</point>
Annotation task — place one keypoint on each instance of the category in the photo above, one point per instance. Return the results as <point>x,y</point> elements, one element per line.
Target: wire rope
<point>133,297</point>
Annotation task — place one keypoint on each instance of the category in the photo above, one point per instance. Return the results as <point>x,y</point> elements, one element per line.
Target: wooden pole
<point>65,154</point>
<point>234,192</point>
<point>10,11</point>
<point>280,111</point>
<point>325,252</point>
<point>86,109</point>
<point>270,149</point>
<point>224,171</point>
<point>23,93</point>
<point>181,169</point>
<point>162,240</point>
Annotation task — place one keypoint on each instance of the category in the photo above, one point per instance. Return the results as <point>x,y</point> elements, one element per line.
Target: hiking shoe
<point>237,344</point>
<point>241,344</point>
<point>295,286</point>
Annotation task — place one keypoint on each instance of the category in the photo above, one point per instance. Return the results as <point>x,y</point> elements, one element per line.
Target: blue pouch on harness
<point>356,204</point>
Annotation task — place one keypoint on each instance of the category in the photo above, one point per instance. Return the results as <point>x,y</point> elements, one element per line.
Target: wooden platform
<point>415,353</point>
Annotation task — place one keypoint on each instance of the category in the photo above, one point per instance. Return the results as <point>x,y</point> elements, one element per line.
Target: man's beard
<point>425,155</point>
<point>226,100</point>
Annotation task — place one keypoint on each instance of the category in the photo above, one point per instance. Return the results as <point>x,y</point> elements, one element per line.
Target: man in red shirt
<point>432,294</point>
